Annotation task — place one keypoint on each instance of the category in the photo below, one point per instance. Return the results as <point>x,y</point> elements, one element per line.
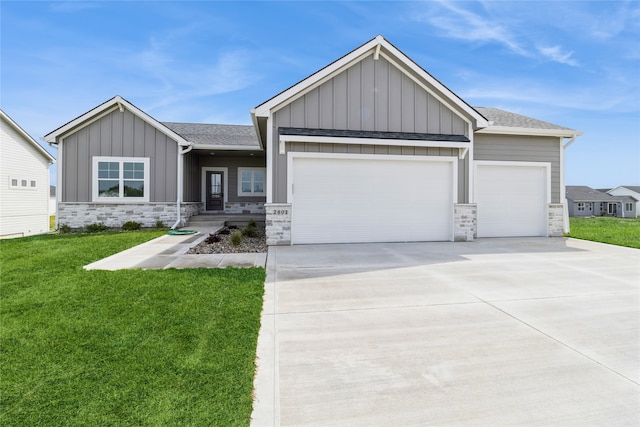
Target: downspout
<point>565,211</point>
<point>181,153</point>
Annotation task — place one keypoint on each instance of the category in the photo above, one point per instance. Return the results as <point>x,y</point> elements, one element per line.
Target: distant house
<point>632,191</point>
<point>24,186</point>
<point>371,148</point>
<point>586,201</point>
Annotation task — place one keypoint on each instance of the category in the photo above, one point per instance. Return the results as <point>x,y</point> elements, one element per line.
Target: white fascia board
<point>508,130</point>
<point>117,102</point>
<point>368,141</point>
<point>28,137</point>
<point>254,121</point>
<point>226,147</point>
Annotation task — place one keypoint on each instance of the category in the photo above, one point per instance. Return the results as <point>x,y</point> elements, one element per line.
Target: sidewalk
<point>171,252</point>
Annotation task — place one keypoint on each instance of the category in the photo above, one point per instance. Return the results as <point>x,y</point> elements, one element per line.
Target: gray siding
<point>370,96</point>
<point>522,149</point>
<point>119,135</point>
<point>232,163</point>
<point>191,183</point>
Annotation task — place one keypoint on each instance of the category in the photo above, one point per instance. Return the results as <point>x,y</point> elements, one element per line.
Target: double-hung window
<point>628,207</point>
<point>121,179</point>
<point>251,181</point>
<point>580,206</point>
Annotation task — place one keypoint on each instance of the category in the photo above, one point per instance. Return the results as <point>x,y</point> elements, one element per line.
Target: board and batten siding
<point>23,211</point>
<point>233,164</point>
<point>517,148</point>
<point>371,95</point>
<point>118,134</point>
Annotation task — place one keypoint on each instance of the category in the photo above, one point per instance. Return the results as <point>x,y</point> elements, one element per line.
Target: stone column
<point>278,223</point>
<point>465,227</point>
<point>555,223</point>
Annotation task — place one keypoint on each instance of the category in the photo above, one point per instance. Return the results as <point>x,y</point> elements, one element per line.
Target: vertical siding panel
<point>313,147</point>
<point>69,176</point>
<point>354,102</point>
<point>446,120</point>
<point>408,104</point>
<point>459,126</point>
<point>420,115</point>
<point>312,109</point>
<point>394,150</point>
<point>138,137</point>
<point>421,151</point>
<point>368,94</point>
<point>408,151</point>
<point>368,149</point>
<point>326,105</point>
<point>326,148</point>
<point>298,113</point>
<point>433,151</point>
<point>381,98</point>
<point>128,135</point>
<point>354,148</point>
<point>116,133</point>
<point>395,100</point>
<point>340,101</point>
<point>381,149</point>
<point>171,174</point>
<point>83,169</point>
<point>105,136</point>
<point>433,112</point>
<point>340,148</point>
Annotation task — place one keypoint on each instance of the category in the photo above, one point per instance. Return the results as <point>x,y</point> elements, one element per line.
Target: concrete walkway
<point>496,332</point>
<point>171,252</point>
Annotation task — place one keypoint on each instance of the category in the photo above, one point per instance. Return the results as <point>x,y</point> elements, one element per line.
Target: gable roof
<point>27,137</point>
<point>117,102</point>
<point>202,135</point>
<point>376,46</point>
<point>506,122</point>
<point>582,193</point>
<point>634,188</point>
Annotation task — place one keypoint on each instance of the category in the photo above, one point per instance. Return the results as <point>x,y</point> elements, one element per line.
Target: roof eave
<point>509,130</point>
<point>28,137</point>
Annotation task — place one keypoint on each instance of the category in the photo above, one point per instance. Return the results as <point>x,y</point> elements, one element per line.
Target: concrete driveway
<point>510,332</point>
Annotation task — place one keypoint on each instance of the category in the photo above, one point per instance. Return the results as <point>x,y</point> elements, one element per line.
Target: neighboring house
<point>632,191</point>
<point>52,200</point>
<point>585,201</point>
<point>24,186</point>
<point>371,148</point>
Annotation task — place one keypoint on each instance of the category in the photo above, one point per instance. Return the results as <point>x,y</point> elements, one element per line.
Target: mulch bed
<point>220,243</point>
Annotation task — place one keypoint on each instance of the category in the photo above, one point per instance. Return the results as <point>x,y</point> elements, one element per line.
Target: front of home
<point>585,201</point>
<point>371,148</point>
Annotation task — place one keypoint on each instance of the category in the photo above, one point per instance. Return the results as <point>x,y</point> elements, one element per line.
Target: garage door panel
<point>511,200</point>
<point>354,200</point>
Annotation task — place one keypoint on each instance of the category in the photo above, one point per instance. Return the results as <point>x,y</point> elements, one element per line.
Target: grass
<point>615,231</point>
<point>161,347</point>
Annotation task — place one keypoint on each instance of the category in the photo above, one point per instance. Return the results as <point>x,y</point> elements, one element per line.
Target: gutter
<point>565,219</point>
<point>181,153</point>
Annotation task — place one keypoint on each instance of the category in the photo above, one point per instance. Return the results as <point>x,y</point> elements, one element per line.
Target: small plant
<point>64,228</point>
<point>96,227</point>
<point>159,224</point>
<point>250,231</point>
<point>251,223</point>
<point>131,226</point>
<point>236,238</point>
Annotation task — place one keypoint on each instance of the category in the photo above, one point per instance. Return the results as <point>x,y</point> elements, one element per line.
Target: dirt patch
<point>220,243</point>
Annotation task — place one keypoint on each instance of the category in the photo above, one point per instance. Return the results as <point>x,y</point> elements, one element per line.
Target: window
<point>580,206</point>
<point>628,207</point>
<point>251,181</point>
<point>22,183</point>
<point>121,179</point>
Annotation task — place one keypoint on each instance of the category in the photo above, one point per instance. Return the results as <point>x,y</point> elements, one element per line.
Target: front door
<point>215,192</point>
<point>613,209</point>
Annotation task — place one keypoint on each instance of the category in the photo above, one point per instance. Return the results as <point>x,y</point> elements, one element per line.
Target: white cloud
<point>556,54</point>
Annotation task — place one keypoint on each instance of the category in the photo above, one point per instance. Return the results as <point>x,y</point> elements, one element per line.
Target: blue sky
<point>575,64</point>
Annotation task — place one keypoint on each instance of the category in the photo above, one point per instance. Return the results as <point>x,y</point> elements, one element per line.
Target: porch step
<point>239,220</point>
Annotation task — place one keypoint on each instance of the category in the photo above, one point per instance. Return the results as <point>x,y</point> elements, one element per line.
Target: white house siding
<point>23,212</point>
<point>522,149</point>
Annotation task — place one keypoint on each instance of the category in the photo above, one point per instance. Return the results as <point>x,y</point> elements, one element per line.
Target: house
<point>585,201</point>
<point>24,190</point>
<point>632,191</point>
<point>371,148</point>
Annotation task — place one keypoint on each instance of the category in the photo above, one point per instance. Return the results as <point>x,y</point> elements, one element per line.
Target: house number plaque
<point>281,212</point>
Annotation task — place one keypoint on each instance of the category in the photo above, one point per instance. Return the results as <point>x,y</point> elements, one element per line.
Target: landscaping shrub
<point>131,226</point>
<point>96,227</point>
<point>159,224</point>
<point>250,231</point>
<point>236,238</point>
<point>64,228</point>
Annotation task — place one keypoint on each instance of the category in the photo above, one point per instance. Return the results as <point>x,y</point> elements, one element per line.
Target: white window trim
<point>628,206</point>
<point>121,160</point>
<point>19,185</point>
<point>225,184</point>
<point>251,194</point>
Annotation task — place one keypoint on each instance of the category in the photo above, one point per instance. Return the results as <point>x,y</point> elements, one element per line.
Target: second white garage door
<point>371,199</point>
<point>511,199</point>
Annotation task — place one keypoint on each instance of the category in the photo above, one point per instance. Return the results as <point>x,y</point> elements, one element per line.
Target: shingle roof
<point>581,193</point>
<point>215,134</point>
<point>506,118</point>
<point>635,188</point>
<point>372,134</point>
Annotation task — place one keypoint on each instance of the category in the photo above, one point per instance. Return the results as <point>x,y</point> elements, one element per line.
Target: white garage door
<point>511,200</point>
<point>355,200</point>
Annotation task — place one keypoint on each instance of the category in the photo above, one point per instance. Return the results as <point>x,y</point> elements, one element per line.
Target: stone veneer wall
<point>244,208</point>
<point>79,215</point>
<point>278,223</point>
<point>465,222</point>
<point>555,223</point>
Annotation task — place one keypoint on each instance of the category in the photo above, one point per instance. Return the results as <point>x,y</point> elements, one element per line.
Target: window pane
<point>14,182</point>
<point>133,170</point>
<point>246,187</point>
<point>33,184</point>
<point>134,189</point>
<point>246,176</point>
<point>258,187</point>
<point>258,176</point>
<point>108,188</point>
<point>24,182</point>
<point>109,170</point>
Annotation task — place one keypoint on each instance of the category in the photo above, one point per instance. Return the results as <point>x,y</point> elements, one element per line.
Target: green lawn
<point>616,231</point>
<point>170,347</point>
